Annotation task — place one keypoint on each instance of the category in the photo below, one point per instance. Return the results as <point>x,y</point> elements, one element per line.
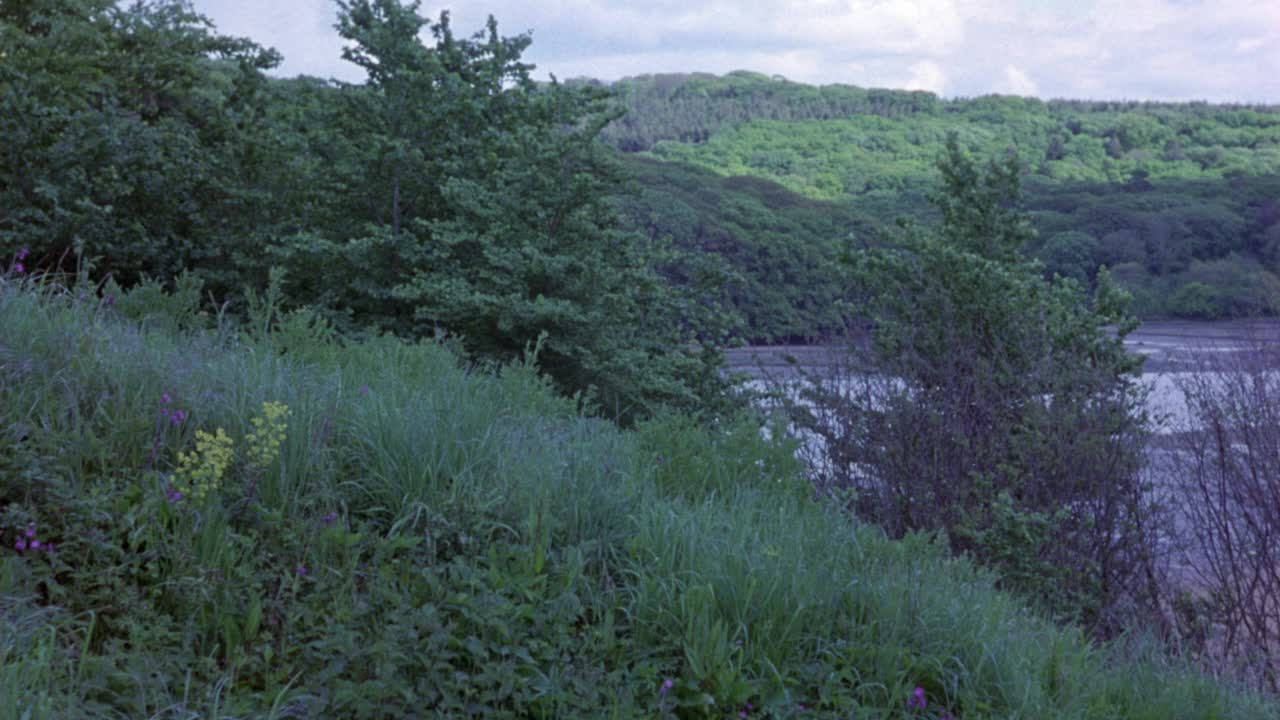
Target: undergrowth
<point>202,523</point>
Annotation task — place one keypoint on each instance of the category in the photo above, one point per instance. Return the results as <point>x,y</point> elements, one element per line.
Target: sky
<point>1215,50</point>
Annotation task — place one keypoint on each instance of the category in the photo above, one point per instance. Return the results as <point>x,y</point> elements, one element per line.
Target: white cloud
<point>1141,49</point>
<point>926,75</point>
<point>1016,82</point>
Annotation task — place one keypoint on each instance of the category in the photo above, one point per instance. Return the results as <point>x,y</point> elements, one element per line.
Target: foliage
<point>448,194</point>
<point>745,244</point>
<point>443,541</point>
<point>994,406</point>
<point>126,132</point>
<point>1158,184</point>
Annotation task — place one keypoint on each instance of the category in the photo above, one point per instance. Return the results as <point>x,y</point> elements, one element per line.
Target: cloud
<point>1140,49</point>
<point>1016,82</point>
<point>926,75</point>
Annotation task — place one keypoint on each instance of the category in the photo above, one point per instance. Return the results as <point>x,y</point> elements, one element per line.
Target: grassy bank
<point>426,540</point>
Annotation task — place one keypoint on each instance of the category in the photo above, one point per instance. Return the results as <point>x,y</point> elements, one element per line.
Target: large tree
<point>474,203</point>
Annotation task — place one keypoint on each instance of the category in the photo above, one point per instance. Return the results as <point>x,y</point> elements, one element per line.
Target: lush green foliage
<point>994,405</point>
<point>1162,186</point>
<point>749,246</point>
<point>427,540</point>
<point>126,135</point>
<point>449,194</point>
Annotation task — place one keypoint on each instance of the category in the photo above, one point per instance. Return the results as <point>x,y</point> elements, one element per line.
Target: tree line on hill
<point>1180,200</point>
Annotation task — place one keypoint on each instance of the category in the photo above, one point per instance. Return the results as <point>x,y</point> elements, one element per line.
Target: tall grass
<point>435,540</point>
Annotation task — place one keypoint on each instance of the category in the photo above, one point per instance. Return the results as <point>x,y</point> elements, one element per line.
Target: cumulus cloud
<point>926,75</point>
<point>1141,49</point>
<point>1016,82</point>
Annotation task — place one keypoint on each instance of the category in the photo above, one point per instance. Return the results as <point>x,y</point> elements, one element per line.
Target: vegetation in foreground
<point>202,523</point>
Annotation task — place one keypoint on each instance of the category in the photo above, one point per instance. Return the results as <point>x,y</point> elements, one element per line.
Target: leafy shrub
<point>992,404</point>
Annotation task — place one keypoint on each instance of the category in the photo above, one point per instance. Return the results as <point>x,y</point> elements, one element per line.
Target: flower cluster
<point>172,416</point>
<point>200,471</point>
<point>18,267</point>
<point>917,700</point>
<point>268,433</point>
<point>29,541</point>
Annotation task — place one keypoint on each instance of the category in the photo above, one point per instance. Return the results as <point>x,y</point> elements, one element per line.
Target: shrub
<point>1225,467</point>
<point>992,404</point>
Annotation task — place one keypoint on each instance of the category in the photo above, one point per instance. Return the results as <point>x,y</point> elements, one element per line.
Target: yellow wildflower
<point>200,471</point>
<point>268,434</point>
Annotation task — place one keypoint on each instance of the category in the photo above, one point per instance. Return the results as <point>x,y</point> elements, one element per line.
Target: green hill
<point>1172,196</point>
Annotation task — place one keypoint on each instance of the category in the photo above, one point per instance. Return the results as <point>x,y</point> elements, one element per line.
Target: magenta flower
<point>917,700</point>
<point>29,541</point>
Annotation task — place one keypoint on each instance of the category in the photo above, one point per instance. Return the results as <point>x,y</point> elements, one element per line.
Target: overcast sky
<point>1218,50</point>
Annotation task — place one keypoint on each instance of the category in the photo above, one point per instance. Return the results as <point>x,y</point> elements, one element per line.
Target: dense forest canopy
<point>1180,200</point>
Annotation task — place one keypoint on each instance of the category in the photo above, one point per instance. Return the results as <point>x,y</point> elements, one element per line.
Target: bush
<point>1225,466</point>
<point>992,405</point>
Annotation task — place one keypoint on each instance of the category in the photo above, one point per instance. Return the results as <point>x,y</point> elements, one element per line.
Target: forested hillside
<point>1182,201</point>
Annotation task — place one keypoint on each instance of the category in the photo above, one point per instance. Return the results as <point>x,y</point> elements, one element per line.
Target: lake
<point>1166,344</point>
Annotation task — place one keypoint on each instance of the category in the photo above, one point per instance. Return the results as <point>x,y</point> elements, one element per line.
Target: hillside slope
<point>197,522</point>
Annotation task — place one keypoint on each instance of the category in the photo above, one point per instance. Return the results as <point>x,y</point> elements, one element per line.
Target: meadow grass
<point>436,540</point>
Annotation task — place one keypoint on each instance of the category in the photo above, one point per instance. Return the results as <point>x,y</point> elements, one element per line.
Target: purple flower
<point>35,544</point>
<point>20,545</point>
<point>364,389</point>
<point>917,700</point>
<point>165,399</point>
<point>330,517</point>
<point>31,529</point>
<point>177,417</point>
<point>23,253</point>
<point>303,571</point>
<point>19,268</point>
<point>174,496</point>
<point>666,687</point>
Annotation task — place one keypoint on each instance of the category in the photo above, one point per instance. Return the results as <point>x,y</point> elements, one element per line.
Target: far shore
<point>1167,345</point>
